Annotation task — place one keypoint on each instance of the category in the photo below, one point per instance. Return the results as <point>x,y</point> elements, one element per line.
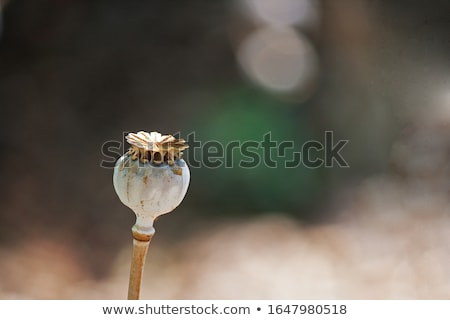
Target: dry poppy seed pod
<point>151,178</point>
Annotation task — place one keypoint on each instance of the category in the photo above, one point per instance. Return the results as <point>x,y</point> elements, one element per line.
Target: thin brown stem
<point>140,248</point>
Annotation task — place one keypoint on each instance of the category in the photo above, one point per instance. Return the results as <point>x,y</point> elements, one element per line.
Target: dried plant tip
<point>155,148</point>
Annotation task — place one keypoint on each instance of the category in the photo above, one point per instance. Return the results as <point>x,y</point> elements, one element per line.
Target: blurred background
<point>76,74</point>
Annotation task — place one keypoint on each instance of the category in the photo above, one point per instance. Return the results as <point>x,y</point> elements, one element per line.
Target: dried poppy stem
<point>140,248</point>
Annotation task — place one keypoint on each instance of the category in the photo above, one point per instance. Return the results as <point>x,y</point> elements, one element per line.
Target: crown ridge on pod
<point>155,148</point>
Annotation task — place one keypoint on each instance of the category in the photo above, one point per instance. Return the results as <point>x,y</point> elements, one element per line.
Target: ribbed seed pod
<point>151,178</point>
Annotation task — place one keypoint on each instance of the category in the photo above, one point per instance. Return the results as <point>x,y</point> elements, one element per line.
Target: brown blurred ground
<point>387,244</point>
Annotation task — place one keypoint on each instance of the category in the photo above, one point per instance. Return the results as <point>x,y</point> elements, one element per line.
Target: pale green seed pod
<point>151,178</point>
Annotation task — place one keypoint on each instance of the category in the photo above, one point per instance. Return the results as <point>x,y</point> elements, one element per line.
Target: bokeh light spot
<point>304,13</point>
<point>279,59</point>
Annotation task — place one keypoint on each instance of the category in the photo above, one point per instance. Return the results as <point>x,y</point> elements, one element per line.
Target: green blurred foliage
<point>242,115</point>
